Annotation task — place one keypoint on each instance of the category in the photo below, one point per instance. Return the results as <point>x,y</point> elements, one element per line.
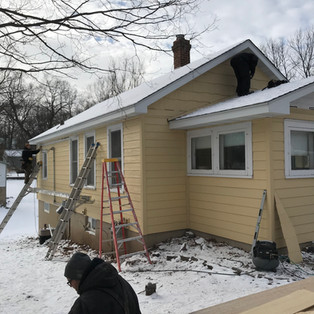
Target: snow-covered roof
<point>134,102</point>
<point>265,103</point>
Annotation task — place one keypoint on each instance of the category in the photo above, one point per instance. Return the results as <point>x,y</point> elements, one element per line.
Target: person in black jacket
<point>102,290</point>
<point>27,160</point>
<point>244,65</point>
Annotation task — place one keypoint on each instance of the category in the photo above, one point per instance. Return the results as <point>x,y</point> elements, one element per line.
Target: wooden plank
<point>288,231</point>
<point>240,305</point>
<point>289,304</point>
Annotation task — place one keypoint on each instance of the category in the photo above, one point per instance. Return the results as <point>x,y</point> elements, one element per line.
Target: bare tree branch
<point>294,57</point>
<point>54,34</point>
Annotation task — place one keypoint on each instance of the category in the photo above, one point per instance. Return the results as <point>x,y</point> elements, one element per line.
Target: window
<point>73,160</point>
<point>201,152</point>
<point>89,140</point>
<point>221,151</point>
<point>46,207</point>
<point>232,151</point>
<point>44,165</point>
<point>299,148</point>
<point>115,146</point>
<point>91,225</point>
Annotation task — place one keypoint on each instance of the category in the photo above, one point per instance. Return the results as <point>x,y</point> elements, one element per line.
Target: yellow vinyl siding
<point>296,194</point>
<point>169,197</point>
<point>228,207</point>
<point>132,155</point>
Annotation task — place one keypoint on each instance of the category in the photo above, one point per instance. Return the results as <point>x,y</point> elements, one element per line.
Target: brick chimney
<point>181,51</point>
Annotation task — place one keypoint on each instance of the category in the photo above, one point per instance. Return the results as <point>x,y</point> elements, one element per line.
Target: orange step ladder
<point>118,201</point>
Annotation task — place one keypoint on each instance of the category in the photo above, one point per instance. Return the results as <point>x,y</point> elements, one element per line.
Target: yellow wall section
<point>296,194</point>
<point>228,207</point>
<point>175,201</point>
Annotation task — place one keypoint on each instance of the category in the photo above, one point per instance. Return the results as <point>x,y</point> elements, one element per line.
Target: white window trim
<point>45,165</point>
<point>47,208</point>
<point>110,129</point>
<point>76,138</point>
<point>295,125</point>
<point>214,133</point>
<point>89,134</point>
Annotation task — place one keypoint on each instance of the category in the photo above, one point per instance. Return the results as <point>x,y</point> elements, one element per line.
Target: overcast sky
<point>237,20</point>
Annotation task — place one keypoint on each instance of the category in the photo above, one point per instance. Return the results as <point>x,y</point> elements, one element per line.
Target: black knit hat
<point>76,266</point>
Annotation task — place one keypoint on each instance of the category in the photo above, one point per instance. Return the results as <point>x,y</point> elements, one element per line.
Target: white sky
<point>236,20</point>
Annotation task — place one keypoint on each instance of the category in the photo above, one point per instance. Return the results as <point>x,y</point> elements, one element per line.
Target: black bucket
<point>265,255</point>
<point>44,235</point>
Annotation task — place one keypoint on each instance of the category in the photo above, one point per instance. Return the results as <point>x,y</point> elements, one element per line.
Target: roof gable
<point>137,100</point>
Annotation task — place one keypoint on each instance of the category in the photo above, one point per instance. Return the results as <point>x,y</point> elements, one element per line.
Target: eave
<point>263,104</point>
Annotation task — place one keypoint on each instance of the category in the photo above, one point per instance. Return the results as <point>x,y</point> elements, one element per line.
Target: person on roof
<point>102,290</point>
<point>244,65</point>
<point>27,160</point>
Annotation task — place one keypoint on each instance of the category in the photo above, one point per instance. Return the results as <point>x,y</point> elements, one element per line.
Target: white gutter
<point>256,111</point>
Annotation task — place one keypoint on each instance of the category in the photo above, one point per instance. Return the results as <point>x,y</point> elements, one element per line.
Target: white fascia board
<point>234,115</point>
<point>298,93</point>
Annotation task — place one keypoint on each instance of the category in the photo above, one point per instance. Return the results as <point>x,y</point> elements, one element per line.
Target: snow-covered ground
<point>190,273</point>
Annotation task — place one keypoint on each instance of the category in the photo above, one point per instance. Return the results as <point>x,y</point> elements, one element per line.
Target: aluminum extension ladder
<point>69,206</point>
<point>23,192</point>
<point>259,218</point>
<point>113,182</point>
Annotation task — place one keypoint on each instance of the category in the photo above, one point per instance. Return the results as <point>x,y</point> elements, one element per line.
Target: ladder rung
<point>122,211</point>
<point>129,239</point>
<point>126,225</point>
<point>116,184</point>
<point>119,211</point>
<point>131,254</point>
<point>113,171</point>
<point>118,198</point>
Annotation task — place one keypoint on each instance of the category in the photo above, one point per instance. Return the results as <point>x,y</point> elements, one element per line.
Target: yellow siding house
<point>194,155</point>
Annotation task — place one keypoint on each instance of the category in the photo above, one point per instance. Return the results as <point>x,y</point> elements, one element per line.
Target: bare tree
<point>27,109</point>
<point>57,100</point>
<point>122,75</point>
<point>302,46</point>
<point>294,57</point>
<point>18,101</point>
<point>278,53</point>
<point>54,35</point>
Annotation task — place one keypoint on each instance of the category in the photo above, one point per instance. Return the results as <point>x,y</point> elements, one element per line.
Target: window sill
<point>89,187</point>
<point>220,175</point>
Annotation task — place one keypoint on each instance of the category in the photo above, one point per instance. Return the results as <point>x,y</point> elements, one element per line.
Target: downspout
<point>54,171</point>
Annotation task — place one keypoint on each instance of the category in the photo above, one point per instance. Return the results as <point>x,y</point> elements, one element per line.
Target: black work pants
<point>242,73</point>
<point>28,169</point>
